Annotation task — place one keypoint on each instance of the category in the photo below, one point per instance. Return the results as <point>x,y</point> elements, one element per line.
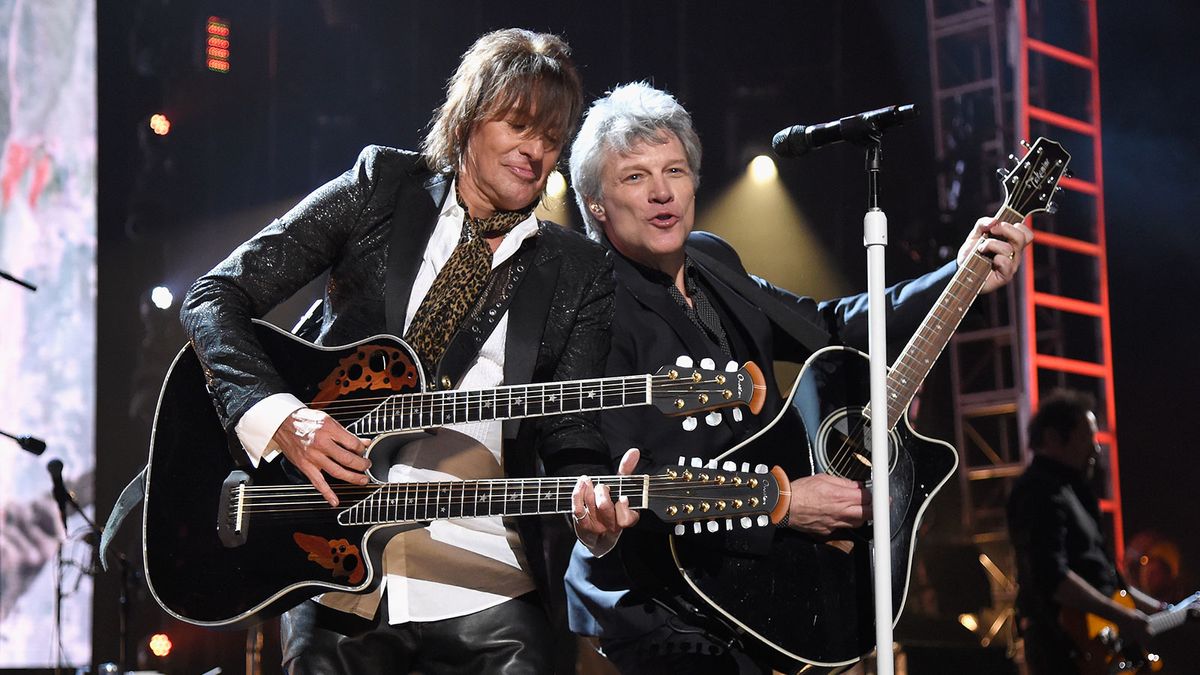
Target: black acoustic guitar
<point>226,547</point>
<point>809,601</point>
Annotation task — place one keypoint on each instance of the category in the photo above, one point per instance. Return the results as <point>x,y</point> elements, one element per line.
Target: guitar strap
<point>130,497</point>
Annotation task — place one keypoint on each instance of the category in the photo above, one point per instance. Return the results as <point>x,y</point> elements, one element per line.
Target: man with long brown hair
<point>442,248</point>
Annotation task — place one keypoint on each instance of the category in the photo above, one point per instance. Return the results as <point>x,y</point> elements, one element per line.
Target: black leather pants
<point>513,637</point>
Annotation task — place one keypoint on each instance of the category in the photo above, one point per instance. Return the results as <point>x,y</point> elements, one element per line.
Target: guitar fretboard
<point>408,412</point>
<point>418,502</point>
<point>922,351</point>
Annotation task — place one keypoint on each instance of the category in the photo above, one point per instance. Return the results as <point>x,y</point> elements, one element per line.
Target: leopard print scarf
<point>458,285</point>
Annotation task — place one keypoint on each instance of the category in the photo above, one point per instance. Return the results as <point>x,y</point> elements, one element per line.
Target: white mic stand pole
<point>875,240</point>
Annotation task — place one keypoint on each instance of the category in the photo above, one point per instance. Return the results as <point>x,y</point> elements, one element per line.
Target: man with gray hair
<point>441,247</point>
<point>635,167</point>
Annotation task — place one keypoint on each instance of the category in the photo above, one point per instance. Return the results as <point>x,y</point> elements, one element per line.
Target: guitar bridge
<point>232,518</point>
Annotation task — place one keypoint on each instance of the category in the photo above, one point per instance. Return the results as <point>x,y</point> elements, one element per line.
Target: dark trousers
<point>513,637</point>
<point>677,647</point>
<point>1048,651</point>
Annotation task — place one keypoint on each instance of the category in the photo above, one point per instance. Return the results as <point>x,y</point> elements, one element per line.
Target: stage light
<point>161,297</point>
<point>160,124</point>
<point>216,54</point>
<point>762,169</point>
<point>556,185</point>
<point>160,645</point>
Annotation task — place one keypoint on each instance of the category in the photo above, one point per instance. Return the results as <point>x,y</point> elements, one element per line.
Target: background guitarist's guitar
<point>227,547</point>
<point>808,601</point>
<point>1102,650</point>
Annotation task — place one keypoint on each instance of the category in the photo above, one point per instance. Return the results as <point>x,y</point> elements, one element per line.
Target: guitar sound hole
<point>379,361</point>
<point>844,445</point>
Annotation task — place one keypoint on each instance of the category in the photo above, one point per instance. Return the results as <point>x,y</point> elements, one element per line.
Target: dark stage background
<point>312,81</point>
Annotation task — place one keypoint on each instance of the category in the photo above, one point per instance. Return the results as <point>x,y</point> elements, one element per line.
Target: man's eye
<point>633,176</point>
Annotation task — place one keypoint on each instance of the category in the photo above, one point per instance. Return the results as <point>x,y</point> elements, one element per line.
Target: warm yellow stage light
<point>160,645</point>
<point>762,169</point>
<point>160,124</point>
<point>556,185</point>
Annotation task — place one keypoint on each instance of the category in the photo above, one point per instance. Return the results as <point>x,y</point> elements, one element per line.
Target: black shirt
<point>1054,523</point>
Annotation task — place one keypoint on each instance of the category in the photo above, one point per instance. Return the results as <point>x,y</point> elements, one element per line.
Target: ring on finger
<point>583,516</point>
<point>1012,255</point>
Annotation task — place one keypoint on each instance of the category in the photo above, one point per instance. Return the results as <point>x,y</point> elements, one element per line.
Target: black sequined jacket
<point>368,229</point>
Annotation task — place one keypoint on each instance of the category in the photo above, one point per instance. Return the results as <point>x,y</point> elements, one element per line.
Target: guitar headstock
<point>684,388</point>
<point>713,498</point>
<point>1029,187</point>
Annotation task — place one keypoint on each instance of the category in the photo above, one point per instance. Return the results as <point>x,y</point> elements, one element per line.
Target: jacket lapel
<point>413,222</point>
<point>527,317</point>
<point>654,298</point>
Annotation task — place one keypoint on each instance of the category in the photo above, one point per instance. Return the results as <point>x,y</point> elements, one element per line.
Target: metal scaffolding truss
<point>1005,71</point>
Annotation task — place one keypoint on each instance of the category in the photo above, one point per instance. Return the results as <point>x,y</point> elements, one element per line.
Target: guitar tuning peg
<point>1069,173</point>
<point>761,468</point>
<point>682,460</point>
<point>737,414</point>
<point>697,528</point>
<point>746,523</point>
<point>728,524</point>
<point>763,521</point>
<point>684,361</point>
<point>712,464</point>
<point>1052,208</point>
<point>697,462</point>
<point>708,364</point>
<point>1025,144</point>
<point>713,418</point>
<point>731,367</point>
<point>1002,173</point>
<point>713,526</point>
<point>690,423</point>
<point>680,530</point>
<point>1012,157</point>
<point>745,467</point>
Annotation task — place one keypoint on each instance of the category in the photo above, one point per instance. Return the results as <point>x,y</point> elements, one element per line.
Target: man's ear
<point>598,212</point>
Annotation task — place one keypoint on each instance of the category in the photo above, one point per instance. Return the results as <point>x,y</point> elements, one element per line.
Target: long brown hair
<point>506,71</point>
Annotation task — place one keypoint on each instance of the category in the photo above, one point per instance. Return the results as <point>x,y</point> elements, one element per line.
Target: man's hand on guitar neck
<point>314,442</point>
<point>1003,242</point>
<point>822,503</point>
<point>598,519</point>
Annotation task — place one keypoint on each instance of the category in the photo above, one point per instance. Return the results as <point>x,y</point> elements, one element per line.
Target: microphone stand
<point>875,240</point>
<point>15,280</point>
<point>92,538</point>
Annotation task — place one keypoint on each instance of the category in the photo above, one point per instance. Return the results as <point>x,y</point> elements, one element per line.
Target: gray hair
<point>625,116</point>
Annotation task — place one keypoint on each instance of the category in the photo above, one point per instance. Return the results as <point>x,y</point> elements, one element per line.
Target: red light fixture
<point>216,55</point>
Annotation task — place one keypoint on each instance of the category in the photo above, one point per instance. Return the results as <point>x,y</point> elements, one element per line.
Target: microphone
<point>61,494</point>
<point>858,129</point>
<point>28,443</point>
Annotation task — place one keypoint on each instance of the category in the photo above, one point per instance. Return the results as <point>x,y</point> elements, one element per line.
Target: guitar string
<point>843,457</point>
<point>372,511</point>
<point>494,485</point>
<point>853,444</point>
<point>455,397</point>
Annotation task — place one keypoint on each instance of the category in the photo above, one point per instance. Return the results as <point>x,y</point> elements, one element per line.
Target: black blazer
<point>367,230</point>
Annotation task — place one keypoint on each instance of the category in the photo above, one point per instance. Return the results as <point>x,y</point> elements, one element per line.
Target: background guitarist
<point>1063,558</point>
<point>635,167</point>
<point>440,247</point>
